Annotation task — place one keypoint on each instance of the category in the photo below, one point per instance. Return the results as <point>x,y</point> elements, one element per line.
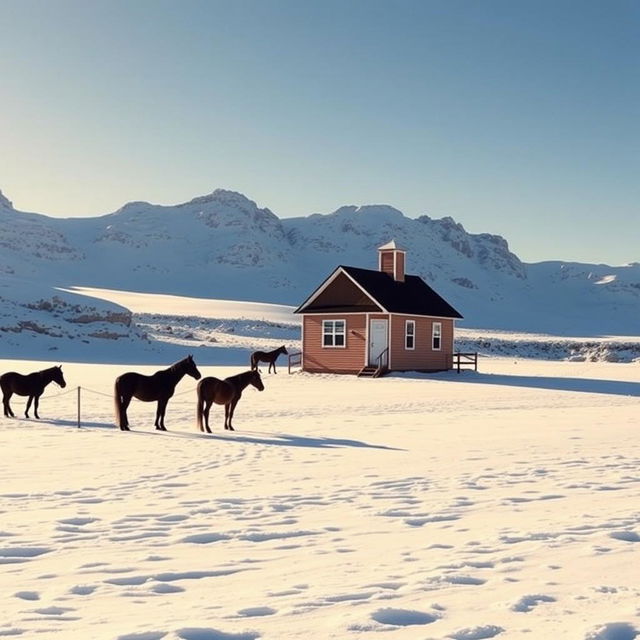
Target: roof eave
<point>328,280</point>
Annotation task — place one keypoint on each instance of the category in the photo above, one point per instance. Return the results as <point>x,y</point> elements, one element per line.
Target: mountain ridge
<point>222,245</point>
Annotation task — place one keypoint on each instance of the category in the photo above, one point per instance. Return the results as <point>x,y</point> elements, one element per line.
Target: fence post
<point>78,407</point>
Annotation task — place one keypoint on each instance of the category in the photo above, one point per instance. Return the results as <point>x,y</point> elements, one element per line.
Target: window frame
<point>333,333</point>
<point>436,334</point>
<point>407,335</point>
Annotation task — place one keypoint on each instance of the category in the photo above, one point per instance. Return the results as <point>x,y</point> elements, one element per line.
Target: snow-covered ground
<point>51,323</point>
<point>222,331</point>
<point>502,503</point>
<point>160,304</point>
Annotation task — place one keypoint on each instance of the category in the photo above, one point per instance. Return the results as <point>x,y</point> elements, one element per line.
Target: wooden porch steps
<point>372,372</point>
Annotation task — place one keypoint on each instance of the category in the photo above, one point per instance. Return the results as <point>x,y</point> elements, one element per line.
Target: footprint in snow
<point>199,633</point>
<point>205,538</point>
<point>164,588</point>
<point>82,590</point>
<point>145,635</point>
<point>454,579</point>
<point>402,617</point>
<point>626,536</point>
<point>10,555</point>
<point>528,603</point>
<point>614,631</point>
<point>54,611</point>
<point>253,612</point>
<point>477,633</point>
<point>78,522</point>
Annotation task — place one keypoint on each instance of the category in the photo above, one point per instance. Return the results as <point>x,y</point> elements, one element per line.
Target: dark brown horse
<point>267,356</point>
<point>226,392</point>
<point>31,385</point>
<point>157,387</point>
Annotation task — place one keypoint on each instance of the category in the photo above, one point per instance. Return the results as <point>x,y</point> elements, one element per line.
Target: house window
<point>333,333</point>
<point>410,334</point>
<point>436,339</point>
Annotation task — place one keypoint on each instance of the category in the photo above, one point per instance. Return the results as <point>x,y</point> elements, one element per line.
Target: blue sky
<point>519,118</point>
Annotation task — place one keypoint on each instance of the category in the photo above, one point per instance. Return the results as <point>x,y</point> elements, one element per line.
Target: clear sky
<point>515,117</point>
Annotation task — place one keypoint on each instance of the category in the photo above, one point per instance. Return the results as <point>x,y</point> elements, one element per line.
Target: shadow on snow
<point>271,439</point>
<point>583,385</point>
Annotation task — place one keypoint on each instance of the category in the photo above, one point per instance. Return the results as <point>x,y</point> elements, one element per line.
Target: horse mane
<point>46,370</point>
<point>176,365</point>
<point>244,374</point>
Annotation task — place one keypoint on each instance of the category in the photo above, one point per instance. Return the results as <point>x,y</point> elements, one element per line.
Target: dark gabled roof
<point>413,296</point>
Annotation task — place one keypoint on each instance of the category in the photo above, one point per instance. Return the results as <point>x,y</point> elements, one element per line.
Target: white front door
<point>378,339</point>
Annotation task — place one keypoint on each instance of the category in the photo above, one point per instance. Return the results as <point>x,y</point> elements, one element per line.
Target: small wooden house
<point>368,322</point>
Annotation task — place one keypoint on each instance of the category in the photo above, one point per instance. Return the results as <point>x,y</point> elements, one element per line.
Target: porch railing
<point>465,361</point>
<point>295,360</point>
<point>382,362</point>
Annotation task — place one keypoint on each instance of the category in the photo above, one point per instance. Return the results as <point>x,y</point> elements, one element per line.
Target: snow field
<point>499,504</point>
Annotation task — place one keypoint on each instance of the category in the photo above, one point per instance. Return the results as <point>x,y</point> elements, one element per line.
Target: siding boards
<point>319,359</point>
<point>422,358</point>
<point>400,266</point>
<point>386,262</point>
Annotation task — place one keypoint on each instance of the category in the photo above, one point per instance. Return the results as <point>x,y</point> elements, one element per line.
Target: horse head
<point>283,349</point>
<point>58,378</point>
<point>191,369</point>
<point>256,380</point>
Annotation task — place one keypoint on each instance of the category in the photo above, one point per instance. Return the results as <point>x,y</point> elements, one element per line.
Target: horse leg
<point>226,415</point>
<point>207,408</point>
<point>125,401</point>
<point>6,396</point>
<point>200,411</point>
<point>232,408</point>
<point>156,423</point>
<point>160,411</point>
<point>163,412</point>
<point>26,411</point>
<point>36,400</point>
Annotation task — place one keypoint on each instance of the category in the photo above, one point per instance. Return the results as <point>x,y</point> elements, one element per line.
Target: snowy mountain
<point>223,245</point>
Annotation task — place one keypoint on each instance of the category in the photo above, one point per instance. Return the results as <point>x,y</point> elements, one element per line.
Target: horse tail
<point>200,409</point>
<point>117,401</point>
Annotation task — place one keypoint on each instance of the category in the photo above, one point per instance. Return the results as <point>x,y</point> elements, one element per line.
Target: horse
<point>267,356</point>
<point>157,387</point>
<point>226,392</point>
<point>31,385</point>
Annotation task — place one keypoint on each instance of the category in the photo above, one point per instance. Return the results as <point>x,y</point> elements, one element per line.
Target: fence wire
<point>71,413</point>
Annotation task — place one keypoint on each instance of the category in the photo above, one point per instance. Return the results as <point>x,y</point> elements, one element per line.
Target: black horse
<point>267,356</point>
<point>31,385</point>
<point>157,387</point>
<point>227,392</point>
